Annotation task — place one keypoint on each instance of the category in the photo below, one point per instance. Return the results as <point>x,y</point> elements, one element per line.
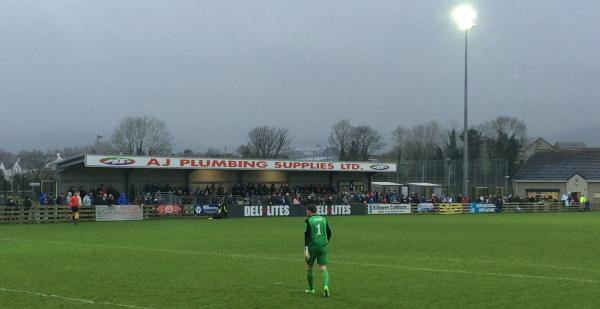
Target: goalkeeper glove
<point>306,255</point>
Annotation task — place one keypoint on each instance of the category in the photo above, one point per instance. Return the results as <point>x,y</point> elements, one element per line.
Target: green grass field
<point>432,261</point>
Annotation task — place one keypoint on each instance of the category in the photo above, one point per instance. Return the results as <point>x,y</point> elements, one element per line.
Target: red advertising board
<point>168,210</point>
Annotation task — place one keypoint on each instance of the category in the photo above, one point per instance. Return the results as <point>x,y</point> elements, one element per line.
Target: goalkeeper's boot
<point>326,291</point>
<point>310,291</point>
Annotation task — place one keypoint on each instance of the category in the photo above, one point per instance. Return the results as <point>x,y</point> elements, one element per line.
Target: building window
<point>543,194</point>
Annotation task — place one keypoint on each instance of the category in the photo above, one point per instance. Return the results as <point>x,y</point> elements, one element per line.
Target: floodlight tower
<point>464,16</point>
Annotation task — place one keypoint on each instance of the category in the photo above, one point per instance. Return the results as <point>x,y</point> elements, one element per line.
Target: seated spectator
<point>102,200</point>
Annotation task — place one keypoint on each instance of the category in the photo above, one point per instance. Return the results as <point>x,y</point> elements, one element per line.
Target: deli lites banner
<point>295,210</point>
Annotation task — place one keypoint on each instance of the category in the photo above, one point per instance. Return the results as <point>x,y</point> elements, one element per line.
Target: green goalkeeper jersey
<point>316,231</point>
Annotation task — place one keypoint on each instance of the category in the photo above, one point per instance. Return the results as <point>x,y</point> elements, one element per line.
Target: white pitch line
<point>414,268</point>
<point>474,272</point>
<point>85,301</point>
<point>457,260</point>
<point>470,261</point>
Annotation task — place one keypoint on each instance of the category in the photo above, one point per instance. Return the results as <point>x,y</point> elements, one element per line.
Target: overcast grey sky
<point>69,70</point>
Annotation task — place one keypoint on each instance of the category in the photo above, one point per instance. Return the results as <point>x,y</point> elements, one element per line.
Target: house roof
<point>569,145</point>
<point>533,141</point>
<point>423,184</point>
<point>75,160</point>
<point>561,164</point>
<point>386,184</point>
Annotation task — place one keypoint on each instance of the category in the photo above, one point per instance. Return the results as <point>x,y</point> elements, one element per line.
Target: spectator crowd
<point>266,194</point>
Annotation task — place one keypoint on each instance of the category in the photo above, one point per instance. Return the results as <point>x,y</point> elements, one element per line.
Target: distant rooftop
<point>561,164</point>
<point>569,145</point>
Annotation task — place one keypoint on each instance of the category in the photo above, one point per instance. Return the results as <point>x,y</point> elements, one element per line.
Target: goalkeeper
<point>316,238</point>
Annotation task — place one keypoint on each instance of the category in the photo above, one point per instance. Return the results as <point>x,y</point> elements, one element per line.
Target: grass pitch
<point>404,261</point>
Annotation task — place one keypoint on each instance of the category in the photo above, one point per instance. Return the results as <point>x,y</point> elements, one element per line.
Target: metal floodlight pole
<point>465,130</point>
<point>464,16</point>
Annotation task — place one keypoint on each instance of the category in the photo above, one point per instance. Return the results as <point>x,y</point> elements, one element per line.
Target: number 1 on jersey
<point>318,229</point>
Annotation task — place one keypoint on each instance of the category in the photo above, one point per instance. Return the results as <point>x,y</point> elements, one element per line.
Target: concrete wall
<point>202,178</point>
<point>308,178</point>
<point>594,194</point>
<point>276,177</point>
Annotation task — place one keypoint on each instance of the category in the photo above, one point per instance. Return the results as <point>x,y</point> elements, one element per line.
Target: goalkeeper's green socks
<point>309,278</point>
<point>326,283</point>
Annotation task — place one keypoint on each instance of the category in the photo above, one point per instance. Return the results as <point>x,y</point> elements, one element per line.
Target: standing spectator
<point>565,199</point>
<point>60,199</point>
<point>588,206</point>
<point>74,204</point>
<point>111,200</point>
<point>87,200</point>
<point>582,200</point>
<point>148,199</point>
<point>50,201</point>
<point>101,190</point>
<point>81,191</point>
<point>499,204</point>
<point>68,199</point>
<point>296,201</point>
<point>122,200</point>
<point>27,203</point>
<point>43,200</point>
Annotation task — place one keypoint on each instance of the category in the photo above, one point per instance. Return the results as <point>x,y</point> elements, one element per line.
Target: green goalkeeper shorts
<point>319,254</point>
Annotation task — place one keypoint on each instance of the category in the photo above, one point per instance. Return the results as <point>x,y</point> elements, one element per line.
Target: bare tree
<point>96,148</point>
<point>340,138</point>
<point>36,162</point>
<point>142,136</point>
<point>267,143</point>
<point>421,142</point>
<point>510,126</point>
<point>364,142</point>
<point>354,143</point>
<point>6,156</point>
<point>213,152</point>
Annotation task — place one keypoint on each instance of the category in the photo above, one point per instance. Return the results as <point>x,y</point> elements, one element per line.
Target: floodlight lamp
<point>464,16</point>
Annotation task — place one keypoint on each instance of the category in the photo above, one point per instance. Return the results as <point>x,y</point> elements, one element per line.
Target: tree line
<point>499,138</point>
